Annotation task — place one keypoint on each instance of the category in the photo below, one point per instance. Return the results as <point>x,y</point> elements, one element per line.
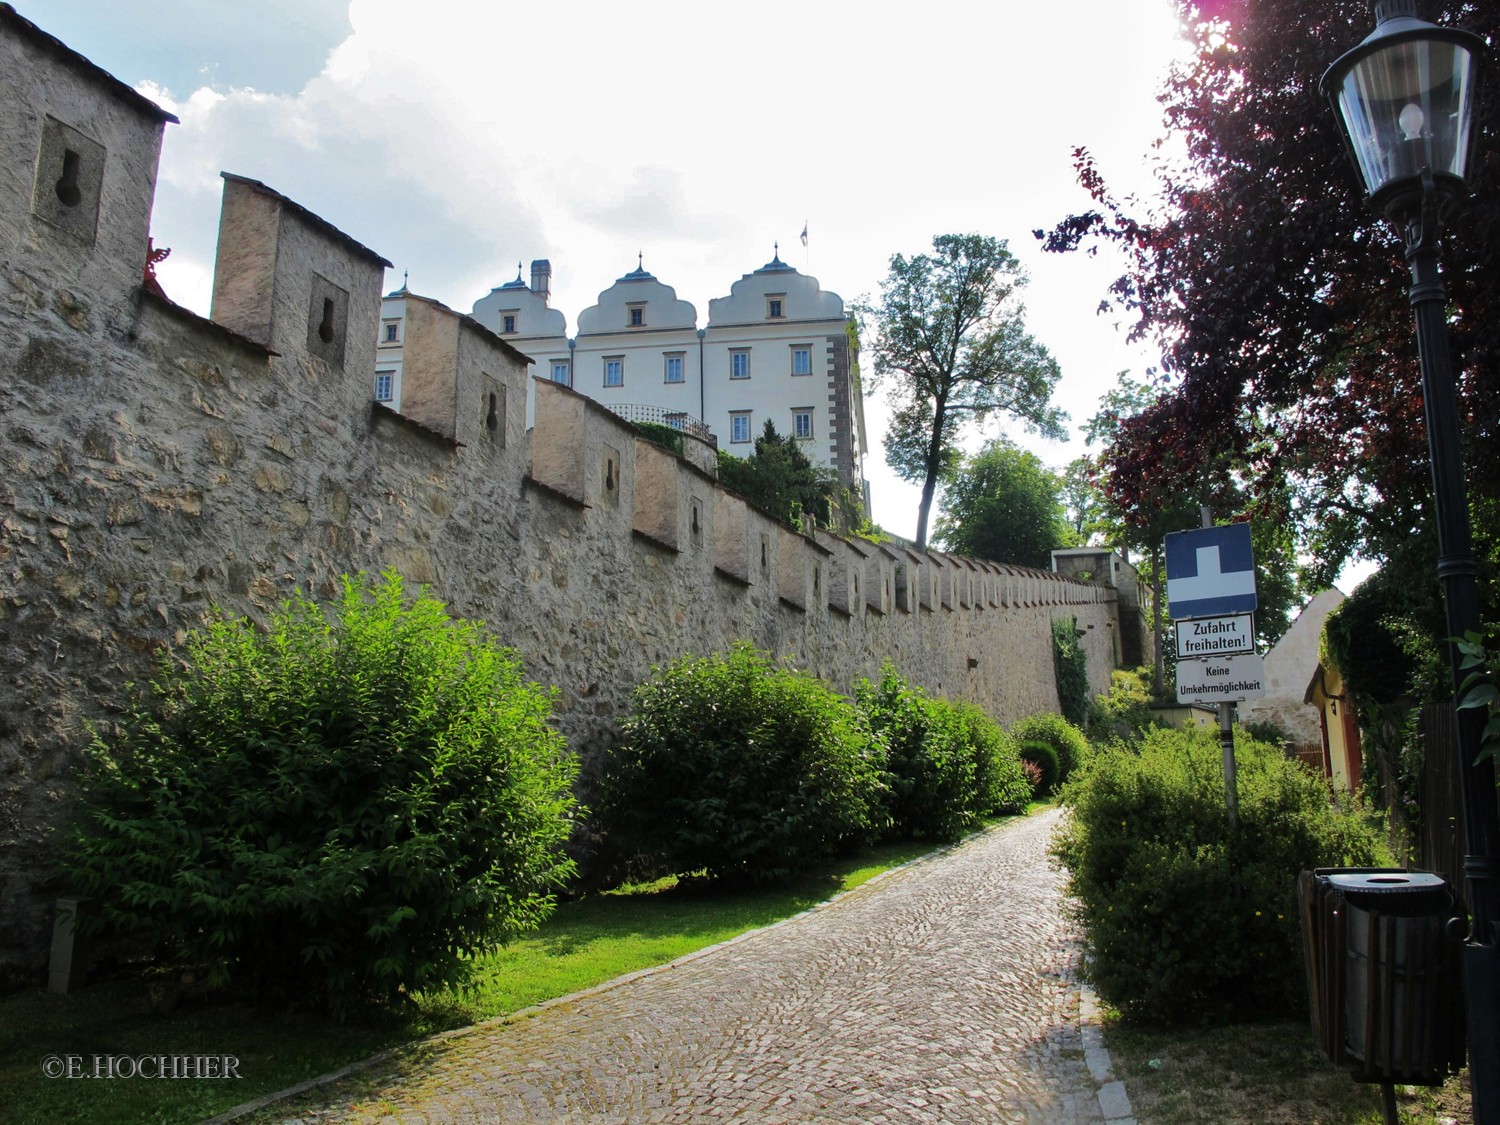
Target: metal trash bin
<point>1383,972</point>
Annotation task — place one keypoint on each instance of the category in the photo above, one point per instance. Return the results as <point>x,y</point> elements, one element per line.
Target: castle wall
<point>155,465</point>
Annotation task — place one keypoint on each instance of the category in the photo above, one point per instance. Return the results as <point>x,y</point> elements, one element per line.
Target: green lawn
<point>587,941</point>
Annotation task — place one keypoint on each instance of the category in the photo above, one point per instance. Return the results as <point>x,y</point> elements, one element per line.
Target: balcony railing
<point>661,416</point>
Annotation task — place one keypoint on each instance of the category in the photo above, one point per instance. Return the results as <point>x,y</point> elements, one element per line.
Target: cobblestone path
<point>943,992</point>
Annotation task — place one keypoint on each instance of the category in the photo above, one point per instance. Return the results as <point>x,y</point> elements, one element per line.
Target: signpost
<point>1211,599</point>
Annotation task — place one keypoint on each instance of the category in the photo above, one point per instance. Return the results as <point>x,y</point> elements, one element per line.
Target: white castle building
<point>778,348</point>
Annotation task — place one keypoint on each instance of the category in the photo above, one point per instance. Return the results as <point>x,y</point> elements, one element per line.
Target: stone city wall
<point>157,464</point>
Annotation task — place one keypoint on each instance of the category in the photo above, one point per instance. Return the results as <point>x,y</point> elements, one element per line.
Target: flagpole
<point>806,253</point>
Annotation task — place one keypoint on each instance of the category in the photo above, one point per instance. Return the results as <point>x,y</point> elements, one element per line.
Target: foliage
<point>668,437</point>
<point>1002,504</point>
<point>1084,506</point>
<point>1479,690</point>
<point>1187,921</point>
<point>944,776</point>
<point>1068,741</point>
<point>735,768</point>
<point>779,478</point>
<point>998,771</point>
<point>952,347</point>
<point>330,810</point>
<point>1124,712</point>
<point>1070,665</point>
<point>1279,298</point>
<point>1378,639</point>
<point>1044,758</point>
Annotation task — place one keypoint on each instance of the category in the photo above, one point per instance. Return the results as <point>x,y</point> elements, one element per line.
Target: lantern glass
<point>1409,105</point>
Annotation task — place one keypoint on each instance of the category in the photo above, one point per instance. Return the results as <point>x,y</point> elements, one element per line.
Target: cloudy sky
<point>457,139</point>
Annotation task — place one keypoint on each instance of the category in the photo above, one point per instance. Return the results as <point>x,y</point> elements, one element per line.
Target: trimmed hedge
<point>1187,922</point>
<point>1066,740</point>
<point>740,770</point>
<point>329,811</point>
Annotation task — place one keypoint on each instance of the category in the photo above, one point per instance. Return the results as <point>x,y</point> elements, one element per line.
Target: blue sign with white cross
<point>1210,572</point>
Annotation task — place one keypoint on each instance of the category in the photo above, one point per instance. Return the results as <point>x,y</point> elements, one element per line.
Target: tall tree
<point>952,347</point>
<point>1278,296</point>
<point>1003,504</point>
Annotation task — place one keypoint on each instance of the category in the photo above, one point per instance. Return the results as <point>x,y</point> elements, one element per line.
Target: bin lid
<point>1388,882</point>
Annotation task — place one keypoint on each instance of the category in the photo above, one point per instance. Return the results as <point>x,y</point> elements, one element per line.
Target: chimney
<point>541,279</point>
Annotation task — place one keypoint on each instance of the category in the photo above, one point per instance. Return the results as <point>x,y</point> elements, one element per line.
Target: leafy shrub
<point>1186,921</point>
<point>999,772</point>
<point>1125,711</point>
<point>943,774</point>
<point>1071,666</point>
<point>1044,758</point>
<point>741,770</point>
<point>1066,740</point>
<point>669,437</point>
<point>329,811</point>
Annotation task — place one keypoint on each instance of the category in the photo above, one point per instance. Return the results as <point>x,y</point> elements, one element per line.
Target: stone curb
<point>1114,1103</point>
<point>254,1106</point>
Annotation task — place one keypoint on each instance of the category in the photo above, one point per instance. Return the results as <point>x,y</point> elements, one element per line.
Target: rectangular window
<point>637,315</point>
<point>560,372</point>
<point>802,423</point>
<point>392,332</point>
<point>739,364</point>
<point>673,370</point>
<point>774,306</point>
<point>739,426</point>
<point>509,318</point>
<point>385,386</point>
<point>801,360</point>
<point>614,371</point>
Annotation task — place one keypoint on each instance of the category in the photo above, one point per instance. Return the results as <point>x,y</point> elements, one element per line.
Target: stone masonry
<point>157,465</point>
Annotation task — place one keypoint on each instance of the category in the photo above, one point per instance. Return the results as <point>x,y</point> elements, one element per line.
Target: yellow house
<point>1341,748</point>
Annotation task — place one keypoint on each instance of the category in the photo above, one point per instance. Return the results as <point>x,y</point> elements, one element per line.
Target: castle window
<point>673,367</point>
<point>637,315</point>
<point>385,386</point>
<point>739,426</point>
<point>560,372</point>
<point>614,371</point>
<point>390,332</point>
<point>509,319</point>
<point>801,359</point>
<point>774,305</point>
<point>802,423</point>
<point>739,363</point>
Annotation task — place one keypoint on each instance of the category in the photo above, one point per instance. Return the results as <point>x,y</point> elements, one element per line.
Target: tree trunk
<point>934,461</point>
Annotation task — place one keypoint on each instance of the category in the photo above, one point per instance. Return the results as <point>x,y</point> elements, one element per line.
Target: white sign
<point>1221,679</point>
<point>1215,636</point>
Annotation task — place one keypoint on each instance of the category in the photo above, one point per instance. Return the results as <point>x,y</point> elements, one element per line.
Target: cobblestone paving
<point>941,993</point>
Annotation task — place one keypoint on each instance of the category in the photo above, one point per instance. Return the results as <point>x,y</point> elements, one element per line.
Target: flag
<point>804,234</point>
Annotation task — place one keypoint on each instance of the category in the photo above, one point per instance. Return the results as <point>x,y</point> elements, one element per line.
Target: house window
<point>614,371</point>
<point>385,386</point>
<point>802,423</point>
<point>391,332</point>
<point>739,426</point>
<point>637,315</point>
<point>774,306</point>
<point>560,372</point>
<point>508,322</point>
<point>673,367</point>
<point>801,360</point>
<point>739,364</point>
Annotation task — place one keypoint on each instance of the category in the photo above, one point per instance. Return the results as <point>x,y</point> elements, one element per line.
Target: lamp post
<point>1406,100</point>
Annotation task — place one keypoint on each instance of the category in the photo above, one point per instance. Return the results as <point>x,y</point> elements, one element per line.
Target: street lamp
<point>1406,100</point>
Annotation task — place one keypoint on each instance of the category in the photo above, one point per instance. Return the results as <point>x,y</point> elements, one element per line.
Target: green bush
<point>999,775</point>
<point>1125,711</point>
<point>1044,757</point>
<point>1186,921</point>
<point>933,768</point>
<point>740,770</point>
<point>1066,740</point>
<point>329,811</point>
